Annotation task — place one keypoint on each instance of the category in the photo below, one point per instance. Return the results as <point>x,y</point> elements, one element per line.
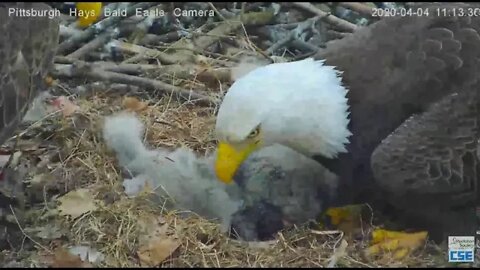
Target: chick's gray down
<point>274,187</point>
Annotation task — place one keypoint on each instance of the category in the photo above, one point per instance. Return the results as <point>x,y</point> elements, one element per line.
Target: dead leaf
<point>50,233</point>
<point>155,244</point>
<point>157,251</point>
<point>151,227</point>
<point>63,258</point>
<point>133,104</point>
<point>77,203</point>
<point>87,254</point>
<point>42,179</point>
<point>47,232</point>
<point>65,105</point>
<point>3,160</point>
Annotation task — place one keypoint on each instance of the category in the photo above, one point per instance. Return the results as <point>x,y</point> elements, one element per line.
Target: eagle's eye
<point>254,133</point>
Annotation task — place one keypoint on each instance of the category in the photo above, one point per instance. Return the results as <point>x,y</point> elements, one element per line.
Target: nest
<point>116,228</point>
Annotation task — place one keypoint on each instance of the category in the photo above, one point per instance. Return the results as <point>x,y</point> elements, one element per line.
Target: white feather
<point>299,104</point>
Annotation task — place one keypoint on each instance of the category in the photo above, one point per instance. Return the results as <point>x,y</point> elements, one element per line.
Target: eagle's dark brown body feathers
<point>27,48</point>
<point>399,67</point>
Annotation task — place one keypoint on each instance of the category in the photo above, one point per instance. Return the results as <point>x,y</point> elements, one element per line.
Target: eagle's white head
<point>300,104</point>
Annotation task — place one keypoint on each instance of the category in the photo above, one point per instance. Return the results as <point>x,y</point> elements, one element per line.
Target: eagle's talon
<point>398,245</point>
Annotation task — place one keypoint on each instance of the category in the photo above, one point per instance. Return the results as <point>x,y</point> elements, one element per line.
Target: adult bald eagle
<point>392,109</point>
<point>27,48</point>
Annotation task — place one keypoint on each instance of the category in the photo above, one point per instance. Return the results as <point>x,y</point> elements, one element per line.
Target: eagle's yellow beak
<point>229,159</point>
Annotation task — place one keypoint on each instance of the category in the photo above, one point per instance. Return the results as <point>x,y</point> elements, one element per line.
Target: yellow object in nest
<point>384,243</point>
<point>88,13</point>
<point>400,243</point>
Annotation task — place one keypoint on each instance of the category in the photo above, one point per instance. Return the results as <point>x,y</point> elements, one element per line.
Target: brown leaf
<point>157,251</point>
<point>133,104</point>
<point>152,226</point>
<point>62,258</point>
<point>77,203</point>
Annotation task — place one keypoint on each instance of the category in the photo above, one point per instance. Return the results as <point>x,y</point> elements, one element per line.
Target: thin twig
<point>25,234</point>
<point>216,11</point>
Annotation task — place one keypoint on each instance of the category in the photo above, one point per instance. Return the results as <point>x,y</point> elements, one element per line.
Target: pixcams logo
<point>461,248</point>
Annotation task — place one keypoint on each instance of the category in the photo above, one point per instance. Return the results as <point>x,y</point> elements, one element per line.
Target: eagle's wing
<point>27,48</point>
<point>434,152</point>
<point>429,165</point>
<point>395,68</point>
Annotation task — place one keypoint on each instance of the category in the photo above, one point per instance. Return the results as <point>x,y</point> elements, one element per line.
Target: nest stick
<point>305,46</point>
<point>137,49</point>
<point>67,31</point>
<point>97,42</point>
<point>113,77</point>
<point>294,34</point>
<point>362,9</point>
<point>229,26</point>
<point>342,24</point>
<point>165,38</point>
<point>225,28</point>
<point>119,68</point>
<point>177,70</point>
<point>100,40</point>
<point>73,41</point>
<point>103,86</point>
